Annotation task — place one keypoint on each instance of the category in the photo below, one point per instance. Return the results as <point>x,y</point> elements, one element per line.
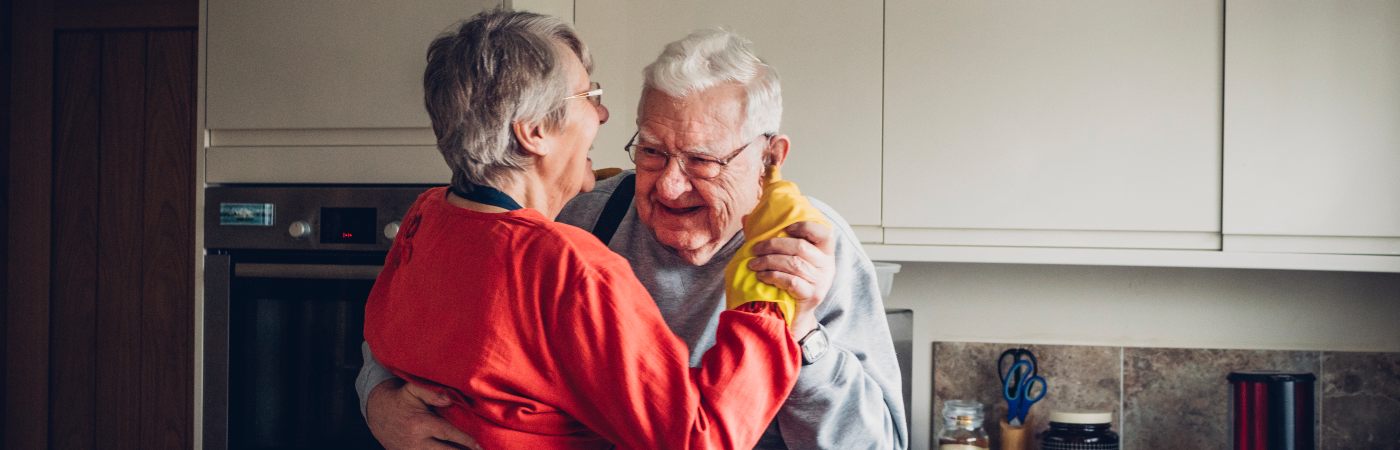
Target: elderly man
<point>707,127</point>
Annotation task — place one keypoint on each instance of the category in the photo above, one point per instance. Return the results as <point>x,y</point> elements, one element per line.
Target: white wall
<point>1140,307</point>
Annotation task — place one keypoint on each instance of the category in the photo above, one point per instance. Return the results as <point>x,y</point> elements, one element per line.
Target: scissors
<point>1020,385</point>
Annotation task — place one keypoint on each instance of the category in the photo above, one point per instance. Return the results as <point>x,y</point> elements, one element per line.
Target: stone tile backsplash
<point>1085,378</point>
<point>1360,400</point>
<point>1164,398</point>
<point>1179,398</point>
<point>974,367</point>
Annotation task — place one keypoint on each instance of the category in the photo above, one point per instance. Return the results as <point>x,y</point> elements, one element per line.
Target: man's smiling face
<point>694,216</point>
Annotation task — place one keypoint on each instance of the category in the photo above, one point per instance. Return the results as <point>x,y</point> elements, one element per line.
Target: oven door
<point>282,349</point>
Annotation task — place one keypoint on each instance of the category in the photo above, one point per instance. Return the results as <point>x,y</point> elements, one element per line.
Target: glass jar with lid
<point>962,427</point>
<point>1080,430</point>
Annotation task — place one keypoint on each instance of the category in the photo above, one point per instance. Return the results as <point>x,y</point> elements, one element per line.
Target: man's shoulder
<point>856,271</point>
<point>829,212</point>
<point>845,235</point>
<point>584,209</point>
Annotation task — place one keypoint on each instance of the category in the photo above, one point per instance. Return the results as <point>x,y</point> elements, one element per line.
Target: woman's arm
<point>630,377</point>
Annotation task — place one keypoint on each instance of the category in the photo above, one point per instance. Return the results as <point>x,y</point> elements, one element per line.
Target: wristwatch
<point>814,345</point>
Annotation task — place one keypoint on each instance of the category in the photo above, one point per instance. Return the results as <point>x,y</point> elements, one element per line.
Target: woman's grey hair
<point>713,56</point>
<point>497,68</point>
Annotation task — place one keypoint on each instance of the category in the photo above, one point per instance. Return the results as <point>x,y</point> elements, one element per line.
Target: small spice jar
<point>962,426</point>
<point>1080,430</point>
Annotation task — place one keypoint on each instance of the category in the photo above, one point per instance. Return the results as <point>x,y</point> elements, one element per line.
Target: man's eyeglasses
<point>696,165</point>
<point>593,94</point>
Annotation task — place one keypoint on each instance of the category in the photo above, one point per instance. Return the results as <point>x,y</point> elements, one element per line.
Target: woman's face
<point>573,139</point>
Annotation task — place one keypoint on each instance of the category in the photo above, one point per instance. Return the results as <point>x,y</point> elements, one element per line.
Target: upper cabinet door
<point>827,53</point>
<point>322,64</point>
<point>1072,123</point>
<point>1312,126</point>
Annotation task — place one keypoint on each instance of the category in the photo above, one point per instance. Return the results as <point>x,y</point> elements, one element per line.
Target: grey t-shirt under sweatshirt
<point>849,399</point>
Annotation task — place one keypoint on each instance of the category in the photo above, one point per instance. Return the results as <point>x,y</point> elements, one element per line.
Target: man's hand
<point>803,264</point>
<point>400,417</point>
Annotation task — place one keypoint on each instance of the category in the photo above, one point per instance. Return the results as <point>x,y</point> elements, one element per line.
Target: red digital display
<point>348,225</point>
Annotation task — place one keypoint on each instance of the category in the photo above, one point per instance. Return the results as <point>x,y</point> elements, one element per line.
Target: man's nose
<point>673,182</point>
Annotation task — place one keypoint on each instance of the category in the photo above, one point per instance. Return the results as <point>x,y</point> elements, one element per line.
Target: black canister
<point>1089,430</point>
<point>1272,410</point>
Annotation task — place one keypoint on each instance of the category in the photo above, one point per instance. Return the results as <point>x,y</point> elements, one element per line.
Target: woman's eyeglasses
<point>593,94</point>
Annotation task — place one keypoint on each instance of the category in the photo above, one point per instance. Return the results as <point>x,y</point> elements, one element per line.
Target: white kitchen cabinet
<point>1312,126</point>
<point>1076,123</point>
<point>827,53</point>
<point>322,64</point>
<point>322,91</point>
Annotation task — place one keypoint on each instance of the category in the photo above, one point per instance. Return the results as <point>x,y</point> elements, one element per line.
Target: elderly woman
<point>541,336</point>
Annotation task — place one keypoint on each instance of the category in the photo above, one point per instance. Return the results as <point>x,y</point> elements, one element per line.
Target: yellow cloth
<point>782,204</point>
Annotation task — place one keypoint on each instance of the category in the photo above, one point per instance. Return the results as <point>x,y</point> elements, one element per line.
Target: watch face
<point>813,346</point>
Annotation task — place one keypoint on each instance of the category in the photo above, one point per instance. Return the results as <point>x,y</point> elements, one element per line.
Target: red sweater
<point>545,339</point>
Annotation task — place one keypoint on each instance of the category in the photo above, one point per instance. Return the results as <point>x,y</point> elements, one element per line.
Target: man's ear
<point>777,150</point>
<point>530,136</point>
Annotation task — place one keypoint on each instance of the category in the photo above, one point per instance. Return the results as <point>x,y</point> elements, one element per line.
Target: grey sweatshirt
<point>849,399</point>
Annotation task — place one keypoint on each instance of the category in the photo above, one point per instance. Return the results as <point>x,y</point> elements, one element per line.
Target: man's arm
<point>851,397</point>
<point>402,417</point>
<point>371,375</point>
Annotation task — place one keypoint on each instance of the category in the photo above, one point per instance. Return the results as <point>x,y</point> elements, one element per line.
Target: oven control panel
<point>305,217</point>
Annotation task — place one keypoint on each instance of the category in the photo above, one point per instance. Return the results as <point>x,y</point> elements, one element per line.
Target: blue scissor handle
<point>1022,388</point>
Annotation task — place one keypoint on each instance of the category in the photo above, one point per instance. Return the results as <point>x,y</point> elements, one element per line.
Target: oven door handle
<point>307,271</point>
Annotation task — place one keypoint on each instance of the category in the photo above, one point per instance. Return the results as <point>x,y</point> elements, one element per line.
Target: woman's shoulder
<point>581,245</point>
<point>595,274</point>
<point>574,254</point>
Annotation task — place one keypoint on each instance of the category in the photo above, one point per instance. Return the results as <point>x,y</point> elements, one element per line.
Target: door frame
<point>28,258</point>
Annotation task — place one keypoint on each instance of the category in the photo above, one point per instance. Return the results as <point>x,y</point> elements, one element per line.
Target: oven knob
<point>299,229</point>
<point>391,230</point>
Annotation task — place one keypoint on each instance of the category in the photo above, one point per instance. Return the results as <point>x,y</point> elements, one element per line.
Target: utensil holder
<point>1014,438</point>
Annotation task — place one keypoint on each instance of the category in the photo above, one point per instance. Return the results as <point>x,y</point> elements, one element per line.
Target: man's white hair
<point>713,56</point>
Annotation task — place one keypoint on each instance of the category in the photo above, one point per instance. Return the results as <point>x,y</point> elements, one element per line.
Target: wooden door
<point>100,314</point>
<point>123,239</point>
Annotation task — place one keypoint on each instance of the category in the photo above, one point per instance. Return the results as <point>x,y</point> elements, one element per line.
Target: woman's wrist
<point>803,322</point>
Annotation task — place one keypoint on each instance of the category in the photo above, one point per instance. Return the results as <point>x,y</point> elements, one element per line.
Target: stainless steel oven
<point>287,272</point>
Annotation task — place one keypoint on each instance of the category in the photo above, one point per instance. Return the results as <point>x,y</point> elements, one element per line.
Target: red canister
<point>1272,410</point>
